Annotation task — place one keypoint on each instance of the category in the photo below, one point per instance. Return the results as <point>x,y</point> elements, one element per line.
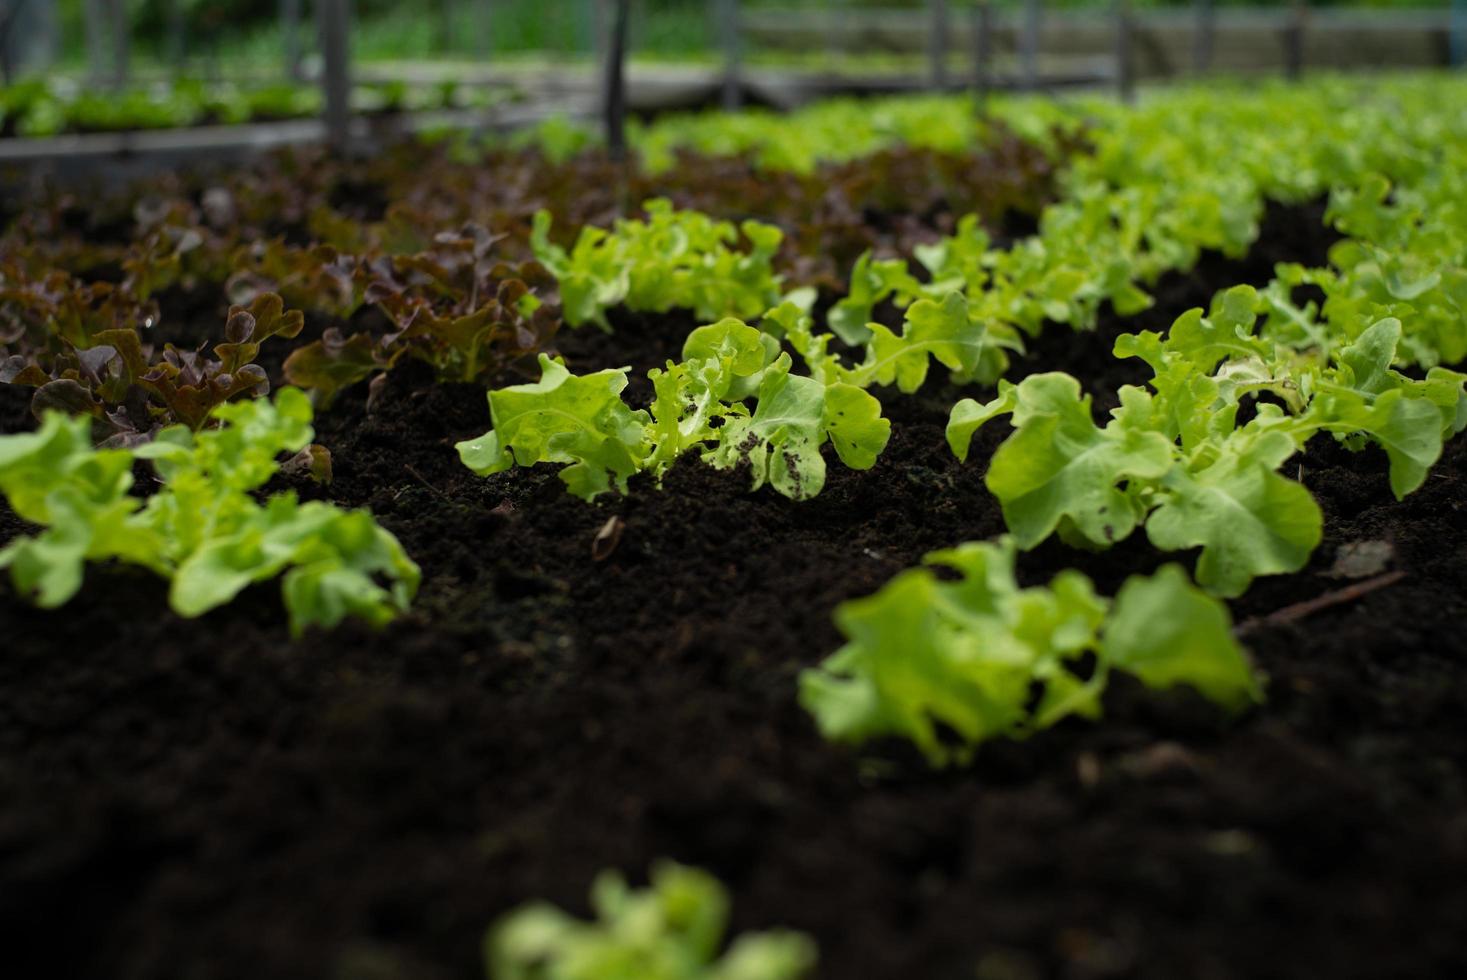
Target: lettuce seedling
<point>673,259</point>
<point>972,654</point>
<point>1175,459</point>
<point>673,930</point>
<point>582,421</point>
<point>941,329</point>
<point>46,313</point>
<point>192,386</point>
<point>453,306</point>
<point>203,530</point>
<point>134,390</point>
<point>319,278</point>
<point>564,418</point>
<point>870,283</point>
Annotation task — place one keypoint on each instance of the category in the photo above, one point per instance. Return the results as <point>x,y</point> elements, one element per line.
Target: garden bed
<point>590,685</point>
<point>275,788</point>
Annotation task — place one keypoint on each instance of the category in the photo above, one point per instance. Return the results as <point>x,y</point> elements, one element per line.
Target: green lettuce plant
<point>673,930</point>
<point>951,661</point>
<point>871,282</point>
<point>1190,172</point>
<point>673,259</point>
<point>1406,258</point>
<point>582,421</point>
<point>831,129</point>
<point>941,329</point>
<point>203,529</point>
<point>1176,459</point>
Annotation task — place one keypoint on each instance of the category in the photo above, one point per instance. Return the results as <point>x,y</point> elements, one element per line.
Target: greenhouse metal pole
<point>485,33</point>
<point>1457,33</point>
<point>835,38</point>
<point>982,49</point>
<point>1203,41</point>
<point>1125,68</point>
<point>336,71</point>
<point>290,37</point>
<point>445,25</point>
<point>51,31</point>
<point>9,18</point>
<point>93,15</point>
<point>177,34</point>
<point>598,29</point>
<point>937,31</point>
<point>27,36</point>
<point>121,42</point>
<point>614,90</point>
<point>1029,42</point>
<point>726,27</point>
<point>1294,40</point>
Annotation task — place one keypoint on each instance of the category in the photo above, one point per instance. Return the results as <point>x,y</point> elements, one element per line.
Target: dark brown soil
<point>210,800</point>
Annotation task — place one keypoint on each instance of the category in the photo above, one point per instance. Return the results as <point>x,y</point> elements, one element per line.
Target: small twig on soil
<point>1338,597</point>
<point>421,479</point>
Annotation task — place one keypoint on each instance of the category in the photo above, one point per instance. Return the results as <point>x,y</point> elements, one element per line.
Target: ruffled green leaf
<point>202,529</point>
<point>968,416</point>
<point>942,331</point>
<point>1248,520</point>
<point>852,419</point>
<point>673,259</point>
<point>1059,465</point>
<point>563,418</point>
<point>1405,417</point>
<point>781,441</point>
<point>871,282</point>
<point>1166,632</point>
<point>948,662</point>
